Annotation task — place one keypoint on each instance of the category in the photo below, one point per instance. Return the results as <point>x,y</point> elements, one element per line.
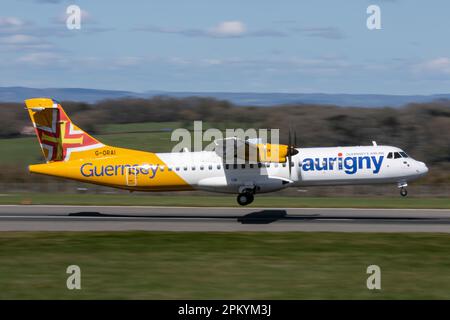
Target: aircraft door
<point>131,176</point>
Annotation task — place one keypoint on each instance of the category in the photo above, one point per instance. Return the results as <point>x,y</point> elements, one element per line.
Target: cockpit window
<point>404,155</point>
<point>397,155</point>
<point>389,156</point>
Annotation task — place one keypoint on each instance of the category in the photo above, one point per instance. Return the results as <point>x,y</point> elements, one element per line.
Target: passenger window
<point>202,167</point>
<point>284,165</point>
<point>185,168</point>
<point>169,168</point>
<point>177,169</point>
<point>193,168</point>
<point>397,155</point>
<point>210,167</point>
<point>161,168</point>
<point>243,166</point>
<point>235,166</point>
<point>252,165</point>
<point>389,156</point>
<point>218,166</point>
<point>227,166</point>
<point>259,164</point>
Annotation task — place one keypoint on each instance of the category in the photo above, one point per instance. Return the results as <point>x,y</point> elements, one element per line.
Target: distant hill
<point>18,94</point>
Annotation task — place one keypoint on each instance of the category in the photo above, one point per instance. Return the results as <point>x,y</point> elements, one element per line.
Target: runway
<point>121,218</point>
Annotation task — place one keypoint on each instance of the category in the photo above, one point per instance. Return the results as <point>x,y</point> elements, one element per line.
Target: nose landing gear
<point>403,191</point>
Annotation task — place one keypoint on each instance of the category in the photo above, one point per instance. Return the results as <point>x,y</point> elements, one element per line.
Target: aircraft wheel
<point>245,198</point>
<point>403,192</point>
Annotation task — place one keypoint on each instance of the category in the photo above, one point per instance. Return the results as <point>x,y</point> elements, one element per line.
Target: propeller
<point>295,138</point>
<point>291,149</point>
<point>289,153</point>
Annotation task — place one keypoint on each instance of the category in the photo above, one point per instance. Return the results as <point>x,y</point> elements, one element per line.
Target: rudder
<point>60,139</point>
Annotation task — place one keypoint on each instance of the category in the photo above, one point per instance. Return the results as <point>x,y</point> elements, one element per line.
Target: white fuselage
<point>311,166</point>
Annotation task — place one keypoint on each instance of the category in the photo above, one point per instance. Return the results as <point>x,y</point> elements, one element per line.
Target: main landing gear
<point>403,191</point>
<point>245,198</point>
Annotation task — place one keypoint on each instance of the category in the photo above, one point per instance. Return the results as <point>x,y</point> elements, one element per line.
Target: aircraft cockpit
<point>397,155</point>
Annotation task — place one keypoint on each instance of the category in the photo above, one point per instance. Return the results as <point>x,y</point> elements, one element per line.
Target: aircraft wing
<point>251,150</point>
<point>235,148</point>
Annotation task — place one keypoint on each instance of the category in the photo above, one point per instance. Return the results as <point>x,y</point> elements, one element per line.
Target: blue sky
<point>204,45</point>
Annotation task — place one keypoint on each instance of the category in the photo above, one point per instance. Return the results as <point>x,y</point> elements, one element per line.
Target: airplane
<point>71,153</point>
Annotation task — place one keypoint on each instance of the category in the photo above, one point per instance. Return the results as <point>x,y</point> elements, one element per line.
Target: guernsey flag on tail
<point>59,138</point>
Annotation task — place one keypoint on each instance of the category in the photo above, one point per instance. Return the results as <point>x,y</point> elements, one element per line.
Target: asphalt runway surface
<point>122,218</point>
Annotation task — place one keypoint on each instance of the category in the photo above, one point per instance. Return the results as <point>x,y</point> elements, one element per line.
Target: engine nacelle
<point>272,152</point>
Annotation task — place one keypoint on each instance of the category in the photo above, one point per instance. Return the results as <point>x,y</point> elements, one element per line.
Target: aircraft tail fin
<point>59,137</point>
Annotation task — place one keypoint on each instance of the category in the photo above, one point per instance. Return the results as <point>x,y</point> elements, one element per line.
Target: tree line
<point>422,129</point>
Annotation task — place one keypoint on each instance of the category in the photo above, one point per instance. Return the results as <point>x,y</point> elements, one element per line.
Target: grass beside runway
<point>164,265</point>
<point>223,201</point>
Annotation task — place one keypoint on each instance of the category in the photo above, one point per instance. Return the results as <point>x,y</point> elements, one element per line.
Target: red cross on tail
<point>60,139</point>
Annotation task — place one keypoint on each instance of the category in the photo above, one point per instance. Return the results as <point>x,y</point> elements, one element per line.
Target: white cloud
<point>228,29</point>
<point>40,58</point>
<point>439,65</point>
<point>9,22</point>
<point>19,39</point>
<point>237,29</point>
<point>225,29</point>
<point>12,25</point>
<point>179,61</point>
<point>21,42</point>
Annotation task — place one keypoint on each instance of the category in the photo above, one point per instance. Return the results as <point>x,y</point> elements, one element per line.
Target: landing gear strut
<point>245,198</point>
<point>403,191</point>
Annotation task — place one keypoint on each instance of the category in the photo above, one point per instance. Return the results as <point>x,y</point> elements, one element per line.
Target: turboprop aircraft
<point>73,154</point>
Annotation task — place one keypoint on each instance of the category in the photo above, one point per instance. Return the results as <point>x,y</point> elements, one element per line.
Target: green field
<point>163,265</point>
<point>222,201</point>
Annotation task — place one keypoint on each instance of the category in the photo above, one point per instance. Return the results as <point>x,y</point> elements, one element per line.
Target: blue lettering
<point>376,164</point>
<point>350,168</point>
<point>308,164</point>
<point>350,165</point>
<point>123,168</point>
<point>109,170</point>
<point>89,171</point>
<point>153,170</point>
<point>98,173</point>
<point>324,164</point>
<point>360,162</point>
<point>331,162</point>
